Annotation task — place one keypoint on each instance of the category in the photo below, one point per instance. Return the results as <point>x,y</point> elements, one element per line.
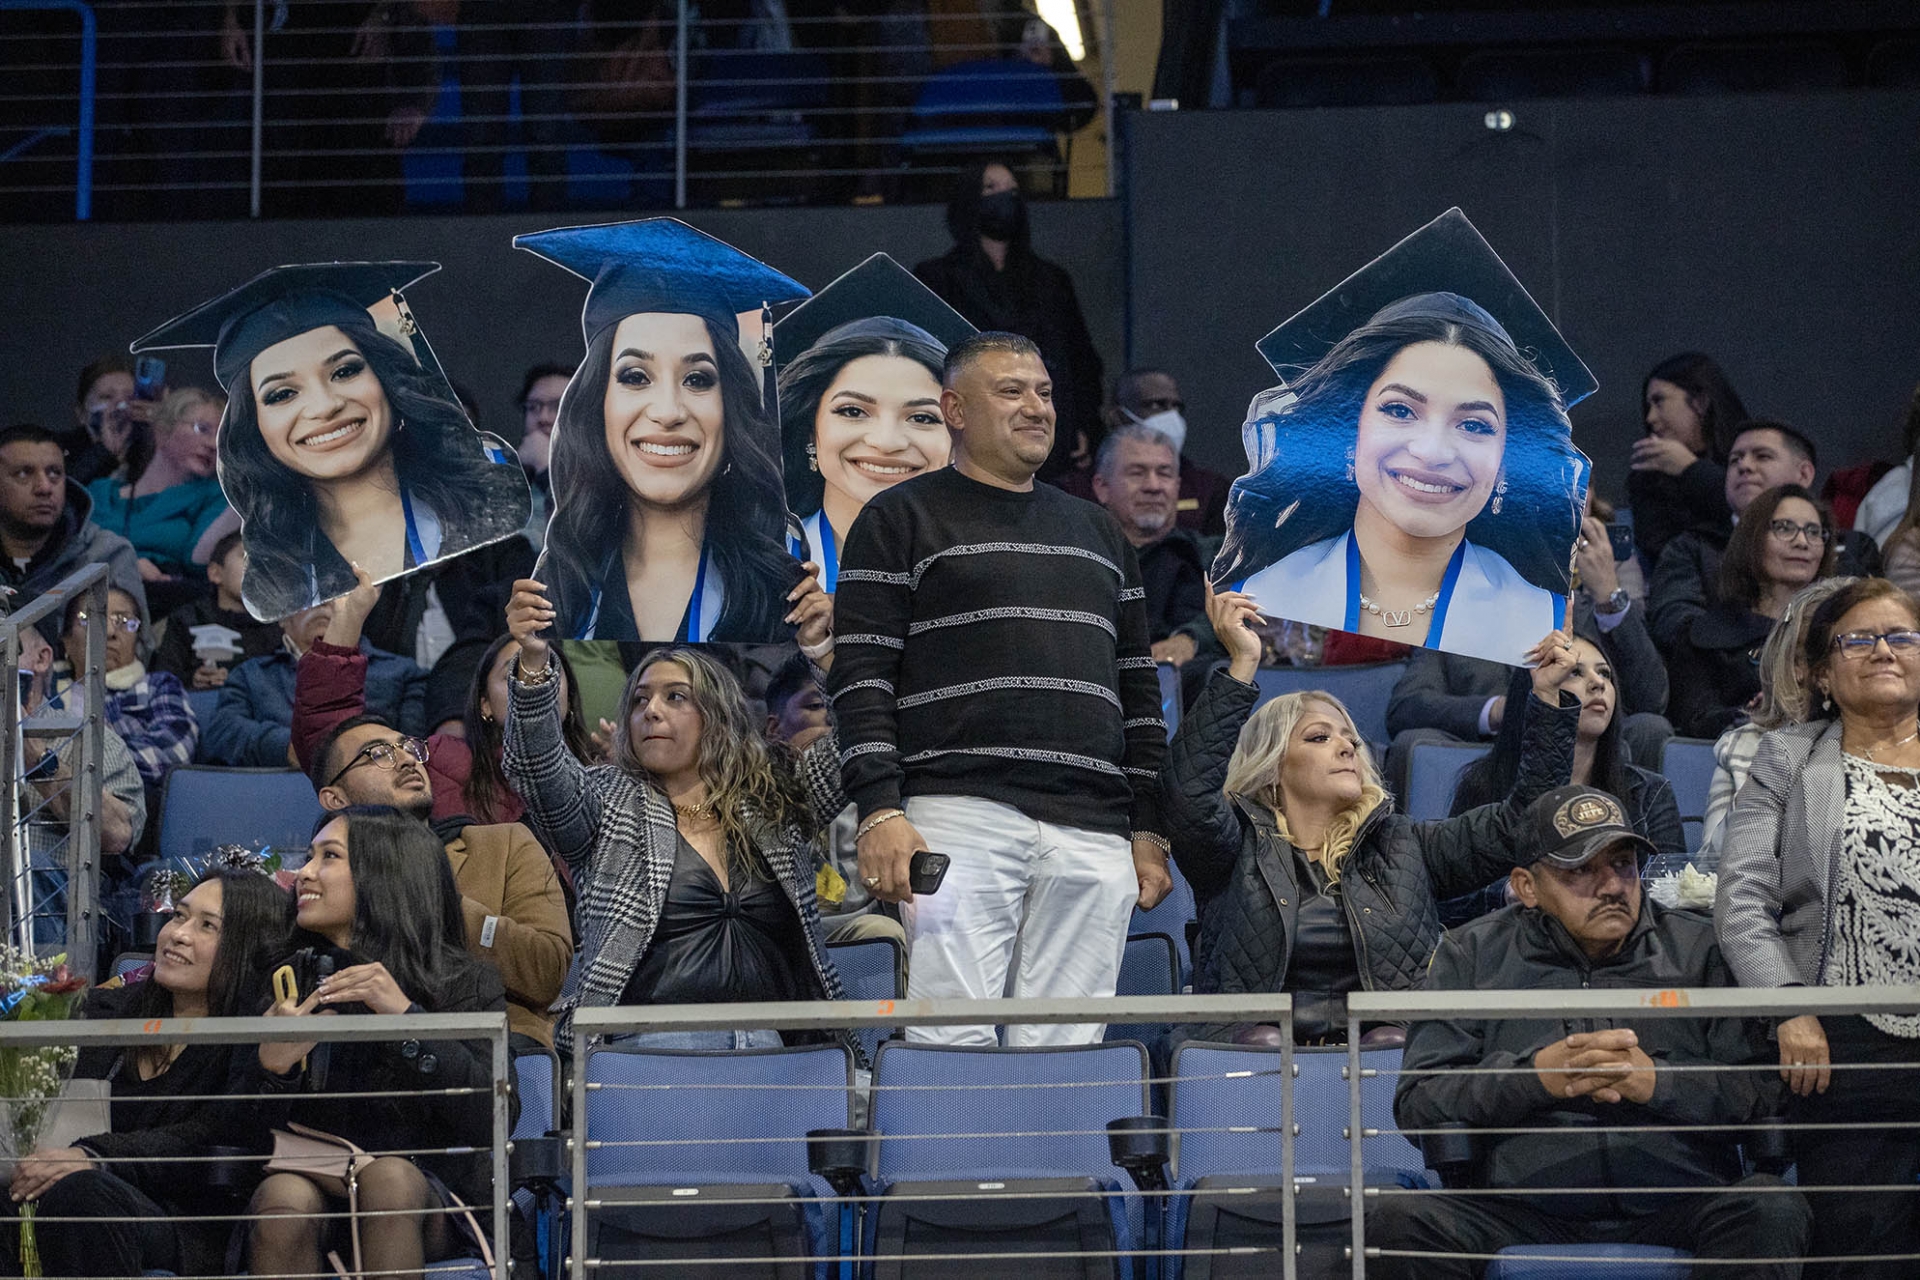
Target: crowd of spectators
<point>535,826</point>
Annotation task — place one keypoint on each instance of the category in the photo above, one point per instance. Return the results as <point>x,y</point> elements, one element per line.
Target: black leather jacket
<point>1398,869</point>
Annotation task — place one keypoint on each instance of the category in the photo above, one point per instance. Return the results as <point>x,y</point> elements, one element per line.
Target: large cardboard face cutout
<point>1414,477</point>
<point>669,519</point>
<point>859,376</point>
<point>343,442</point>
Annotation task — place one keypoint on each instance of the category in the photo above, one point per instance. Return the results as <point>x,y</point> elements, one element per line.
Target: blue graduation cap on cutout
<point>878,297</point>
<point>281,303</point>
<point>659,264</point>
<point>1449,262</point>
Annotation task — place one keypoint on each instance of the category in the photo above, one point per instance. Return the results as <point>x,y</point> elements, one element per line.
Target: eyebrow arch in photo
<point>335,358</point>
<point>1477,406</point>
<point>848,393</point>
<point>638,354</point>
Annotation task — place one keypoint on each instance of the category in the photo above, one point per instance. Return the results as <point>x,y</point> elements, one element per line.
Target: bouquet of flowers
<point>33,989</point>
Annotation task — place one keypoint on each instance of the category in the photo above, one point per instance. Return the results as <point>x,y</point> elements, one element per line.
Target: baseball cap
<point>1569,825</point>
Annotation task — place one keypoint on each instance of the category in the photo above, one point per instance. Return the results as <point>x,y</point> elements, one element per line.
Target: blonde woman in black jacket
<point>1307,880</point>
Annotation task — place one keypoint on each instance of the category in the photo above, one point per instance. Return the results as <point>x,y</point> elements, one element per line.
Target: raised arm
<point>562,805</point>
<point>1199,819</point>
<point>330,682</point>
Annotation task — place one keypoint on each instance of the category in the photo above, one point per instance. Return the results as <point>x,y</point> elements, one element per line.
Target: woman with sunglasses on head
<point>1783,542</point>
<point>132,1184</point>
<point>1817,888</point>
<point>377,898</point>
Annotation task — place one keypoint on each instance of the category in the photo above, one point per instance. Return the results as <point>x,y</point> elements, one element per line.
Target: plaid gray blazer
<point>1777,859</point>
<point>617,832</point>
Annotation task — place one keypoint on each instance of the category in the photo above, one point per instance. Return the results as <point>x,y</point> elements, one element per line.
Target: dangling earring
<point>1500,491</point>
<point>401,427</point>
<point>813,458</point>
<point>1350,476</point>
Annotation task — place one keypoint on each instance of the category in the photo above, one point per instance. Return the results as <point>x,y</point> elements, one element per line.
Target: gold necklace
<point>1868,751</point>
<point>695,812</point>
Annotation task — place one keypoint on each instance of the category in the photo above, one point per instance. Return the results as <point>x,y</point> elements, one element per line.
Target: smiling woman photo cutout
<point>1417,481</point>
<point>859,373</point>
<point>339,446</point>
<point>669,520</point>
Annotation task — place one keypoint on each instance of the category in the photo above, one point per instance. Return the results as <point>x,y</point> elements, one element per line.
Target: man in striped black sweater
<point>997,703</point>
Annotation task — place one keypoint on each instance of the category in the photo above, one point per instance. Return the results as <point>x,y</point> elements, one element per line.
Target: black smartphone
<point>927,870</point>
<point>149,378</point>
<point>1621,536</point>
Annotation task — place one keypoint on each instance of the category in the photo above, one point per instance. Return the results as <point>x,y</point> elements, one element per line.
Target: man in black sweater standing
<point>997,703</point>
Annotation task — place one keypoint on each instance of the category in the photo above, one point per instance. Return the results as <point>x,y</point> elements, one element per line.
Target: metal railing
<point>83,96</point>
<point>350,107</point>
<point>26,803</point>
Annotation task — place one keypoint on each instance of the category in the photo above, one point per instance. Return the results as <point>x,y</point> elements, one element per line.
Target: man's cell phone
<point>1621,536</point>
<point>927,870</point>
<point>149,378</point>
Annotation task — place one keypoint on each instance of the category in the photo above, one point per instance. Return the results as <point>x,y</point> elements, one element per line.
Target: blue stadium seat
<point>202,702</point>
<point>536,1078</point>
<point>1688,765</point>
<point>202,806</point>
<point>1150,967</point>
<point>1614,1261</point>
<point>752,99</point>
<point>1365,688</point>
<point>1171,917</point>
<point>1433,771</point>
<point>1170,695</point>
<point>1002,107</point>
<point>870,969</point>
<point>696,1154</point>
<point>1032,1120</point>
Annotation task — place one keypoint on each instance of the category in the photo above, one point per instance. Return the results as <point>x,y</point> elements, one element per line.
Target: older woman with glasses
<point>165,498</point>
<point>1818,888</point>
<point>1783,542</point>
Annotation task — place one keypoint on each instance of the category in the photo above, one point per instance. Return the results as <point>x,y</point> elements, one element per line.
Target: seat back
<point>1688,766</point>
<point>947,1112</point>
<point>717,1116</point>
<point>1171,916</point>
<point>1321,1110</point>
<point>1365,688</point>
<point>870,969</point>
<point>535,1079</point>
<point>1433,772</point>
<point>1150,967</point>
<point>1225,1110</point>
<point>1011,90</point>
<point>202,806</point>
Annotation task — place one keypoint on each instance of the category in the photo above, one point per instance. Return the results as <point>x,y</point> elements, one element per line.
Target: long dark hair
<point>406,907</point>
<point>437,456</point>
<point>1695,373</point>
<point>1304,496</point>
<point>253,932</point>
<point>807,377</point>
<point>1743,578</point>
<point>1489,779</point>
<point>746,521</point>
<point>487,782</point>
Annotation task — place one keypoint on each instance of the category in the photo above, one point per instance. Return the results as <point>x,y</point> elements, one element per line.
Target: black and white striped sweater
<point>993,643</point>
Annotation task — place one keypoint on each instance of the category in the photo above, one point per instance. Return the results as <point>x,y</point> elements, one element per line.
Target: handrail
<point>83,168</point>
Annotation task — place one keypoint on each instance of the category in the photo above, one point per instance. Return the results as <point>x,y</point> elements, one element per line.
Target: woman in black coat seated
<point>1784,541</point>
<point>1600,759</point>
<point>377,897</point>
<point>208,964</point>
<point>1307,880</point>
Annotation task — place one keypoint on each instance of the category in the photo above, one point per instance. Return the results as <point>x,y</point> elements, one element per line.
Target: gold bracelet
<point>539,677</point>
<point>874,820</point>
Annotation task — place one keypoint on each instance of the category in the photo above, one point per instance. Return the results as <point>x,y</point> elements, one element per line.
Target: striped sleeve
<point>872,609</point>
<point>1139,697</point>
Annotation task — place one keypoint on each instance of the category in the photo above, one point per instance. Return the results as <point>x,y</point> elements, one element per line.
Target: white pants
<point>1027,909</point>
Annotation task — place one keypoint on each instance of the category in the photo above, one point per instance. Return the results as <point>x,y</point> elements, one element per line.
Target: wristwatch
<point>1616,603</point>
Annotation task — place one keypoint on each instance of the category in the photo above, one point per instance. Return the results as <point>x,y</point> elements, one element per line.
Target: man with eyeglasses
<point>1764,455</point>
<point>46,530</point>
<point>515,908</point>
<point>540,393</point>
<point>1151,398</point>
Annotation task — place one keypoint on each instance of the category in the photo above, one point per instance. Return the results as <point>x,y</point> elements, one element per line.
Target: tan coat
<point>505,875</point>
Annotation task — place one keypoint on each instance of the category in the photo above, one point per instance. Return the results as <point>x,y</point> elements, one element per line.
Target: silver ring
<point>871,881</point>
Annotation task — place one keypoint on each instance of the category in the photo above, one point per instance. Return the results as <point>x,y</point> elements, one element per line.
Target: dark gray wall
<point>1776,233</point>
<point>70,292</point>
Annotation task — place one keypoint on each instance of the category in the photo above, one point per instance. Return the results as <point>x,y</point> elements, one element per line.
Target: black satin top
<point>1322,968</point>
<point>715,945</point>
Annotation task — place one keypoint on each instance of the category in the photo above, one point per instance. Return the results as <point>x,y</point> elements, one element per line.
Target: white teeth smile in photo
<point>338,433</point>
<point>1422,486</point>
<point>664,450</point>
<point>309,897</point>
<point>885,472</point>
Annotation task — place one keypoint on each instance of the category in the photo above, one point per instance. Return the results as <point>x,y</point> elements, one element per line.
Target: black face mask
<point>1000,215</point>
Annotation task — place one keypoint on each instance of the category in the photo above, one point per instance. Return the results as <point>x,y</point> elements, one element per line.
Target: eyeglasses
<point>1858,644</point>
<point>1785,530</point>
<point>384,754</point>
<point>115,622</point>
<point>201,428</point>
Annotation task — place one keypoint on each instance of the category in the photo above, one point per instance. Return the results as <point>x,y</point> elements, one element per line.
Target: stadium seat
<point>130,962</point>
<point>704,1154</point>
<point>1688,765</point>
<point>1433,772</point>
<point>1614,1261</point>
<point>870,969</point>
<point>536,1078</point>
<point>1171,917</point>
<point>202,702</point>
<point>1365,688</point>
<point>995,108</point>
<point>1150,967</point>
<point>202,806</point>
<point>1504,75</point>
<point>967,1122</point>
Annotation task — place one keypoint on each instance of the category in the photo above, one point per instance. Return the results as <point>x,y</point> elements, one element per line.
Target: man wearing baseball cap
<point>1580,921</point>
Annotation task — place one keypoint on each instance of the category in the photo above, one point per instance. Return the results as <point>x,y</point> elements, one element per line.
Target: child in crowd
<point>205,639</point>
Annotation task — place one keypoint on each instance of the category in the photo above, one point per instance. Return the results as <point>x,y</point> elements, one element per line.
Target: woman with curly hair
<point>691,846</point>
<point>340,446</point>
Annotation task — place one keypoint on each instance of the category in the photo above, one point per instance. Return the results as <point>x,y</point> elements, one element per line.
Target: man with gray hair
<point>1136,477</point>
<point>997,704</point>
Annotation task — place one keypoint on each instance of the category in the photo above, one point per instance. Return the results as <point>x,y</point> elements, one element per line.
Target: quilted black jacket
<point>1242,871</point>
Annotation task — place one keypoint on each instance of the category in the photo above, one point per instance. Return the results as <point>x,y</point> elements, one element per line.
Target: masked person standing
<point>993,277</point>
